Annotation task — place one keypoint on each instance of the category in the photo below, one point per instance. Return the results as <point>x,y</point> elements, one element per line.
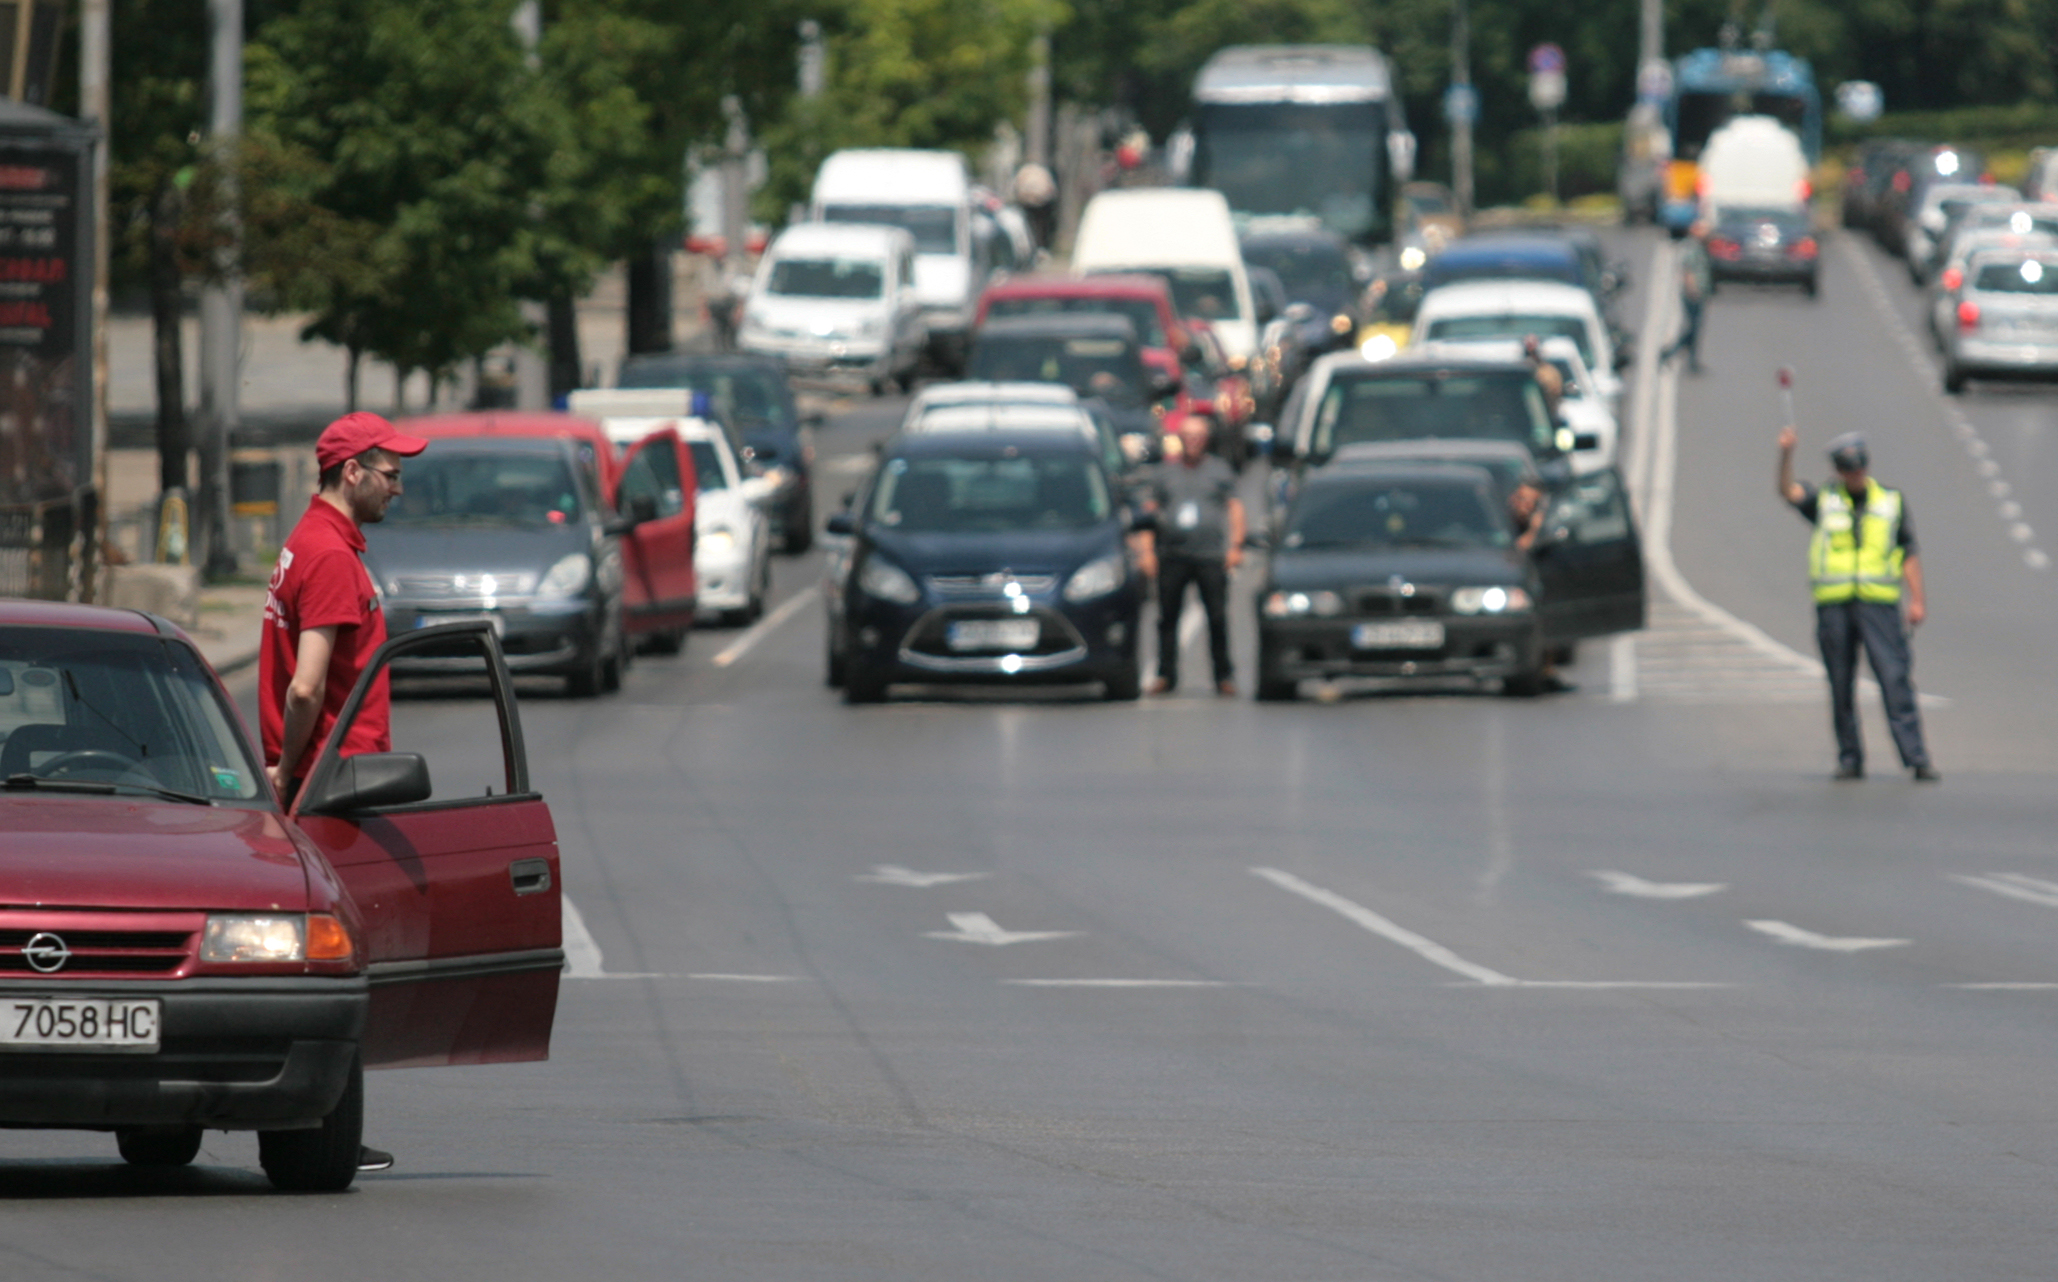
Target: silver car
<point>2006,324</point>
<point>1925,230</point>
<point>2024,227</point>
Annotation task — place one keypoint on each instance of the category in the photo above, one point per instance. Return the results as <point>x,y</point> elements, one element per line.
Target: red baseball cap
<point>353,434</point>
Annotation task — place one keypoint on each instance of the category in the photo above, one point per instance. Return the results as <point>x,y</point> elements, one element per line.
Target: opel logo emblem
<point>46,953</point>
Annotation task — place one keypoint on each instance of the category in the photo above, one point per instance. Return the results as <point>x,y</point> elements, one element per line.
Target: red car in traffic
<point>1145,300</point>
<point>179,953</point>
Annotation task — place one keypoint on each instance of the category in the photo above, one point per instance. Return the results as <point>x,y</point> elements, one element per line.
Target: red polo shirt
<point>320,581</point>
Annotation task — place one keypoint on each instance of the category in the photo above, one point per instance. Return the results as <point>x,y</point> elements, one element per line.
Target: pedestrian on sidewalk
<point>1696,283</point>
<point>1862,565</point>
<point>322,621</point>
<point>1197,540</point>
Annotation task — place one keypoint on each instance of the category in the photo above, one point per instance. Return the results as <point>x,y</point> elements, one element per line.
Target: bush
<point>1587,158</point>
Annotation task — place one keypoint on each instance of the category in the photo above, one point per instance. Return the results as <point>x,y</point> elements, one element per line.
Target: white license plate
<point>483,616</point>
<point>1414,634</point>
<point>78,1023</point>
<point>994,634</point>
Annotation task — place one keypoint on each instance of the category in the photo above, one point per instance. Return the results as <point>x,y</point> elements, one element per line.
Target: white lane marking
<point>1608,983</point>
<point>1961,426</point>
<point>1622,883</point>
<point>846,463</point>
<point>978,928</point>
<point>748,979</point>
<point>1427,949</point>
<point>895,875</point>
<point>1622,668</point>
<point>1799,938</point>
<point>2035,987</point>
<point>2030,890</point>
<point>764,627</point>
<point>582,954</point>
<point>1119,983</point>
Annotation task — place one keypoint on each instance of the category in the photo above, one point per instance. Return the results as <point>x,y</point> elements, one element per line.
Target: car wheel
<point>1277,690</point>
<point>800,528</point>
<point>1124,684</point>
<point>670,641</point>
<point>1526,684</point>
<point>1954,378</point>
<point>835,668</point>
<point>861,684</point>
<point>324,1159</point>
<point>589,678</point>
<point>159,1145</point>
<point>1811,287</point>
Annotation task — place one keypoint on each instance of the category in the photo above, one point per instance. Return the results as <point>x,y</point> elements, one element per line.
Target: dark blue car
<point>992,556</point>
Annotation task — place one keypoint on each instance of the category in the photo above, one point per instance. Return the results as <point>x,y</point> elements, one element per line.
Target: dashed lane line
<point>764,627</point>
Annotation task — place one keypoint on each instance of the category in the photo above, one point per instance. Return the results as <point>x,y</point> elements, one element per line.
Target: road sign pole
<point>1461,129</point>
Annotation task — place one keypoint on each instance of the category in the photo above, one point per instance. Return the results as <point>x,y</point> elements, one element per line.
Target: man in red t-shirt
<point>322,621</point>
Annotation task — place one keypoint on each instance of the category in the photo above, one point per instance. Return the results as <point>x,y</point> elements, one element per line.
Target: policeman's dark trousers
<point>1211,576</point>
<point>1840,629</point>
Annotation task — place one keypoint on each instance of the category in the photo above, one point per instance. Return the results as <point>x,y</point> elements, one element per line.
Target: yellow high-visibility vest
<point>1856,554</point>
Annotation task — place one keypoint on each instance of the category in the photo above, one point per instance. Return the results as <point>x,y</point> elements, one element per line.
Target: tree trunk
<point>563,333</point>
<point>350,381</point>
<point>650,299</point>
<point>167,316</point>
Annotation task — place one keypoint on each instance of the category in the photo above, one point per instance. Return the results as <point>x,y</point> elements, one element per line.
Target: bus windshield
<point>1325,160</point>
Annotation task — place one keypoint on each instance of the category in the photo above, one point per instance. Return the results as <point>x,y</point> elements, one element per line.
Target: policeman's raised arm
<point>1789,489</point>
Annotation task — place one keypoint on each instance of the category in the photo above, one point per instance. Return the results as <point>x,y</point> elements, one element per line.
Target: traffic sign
<point>1461,104</point>
<point>1654,81</point>
<point>1546,58</point>
<point>1860,100</point>
<point>1547,90</point>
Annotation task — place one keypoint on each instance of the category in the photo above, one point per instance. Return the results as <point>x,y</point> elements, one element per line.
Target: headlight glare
<point>887,582</point>
<point>1097,577</point>
<point>250,937</point>
<point>1489,600</point>
<point>1289,605</point>
<point>568,577</point>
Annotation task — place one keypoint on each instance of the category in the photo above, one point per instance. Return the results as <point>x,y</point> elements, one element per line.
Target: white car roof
<point>627,429</point>
<point>856,239</point>
<point>984,393</point>
<point>1003,417</point>
<point>1557,347</point>
<point>1485,297</point>
<point>892,176</point>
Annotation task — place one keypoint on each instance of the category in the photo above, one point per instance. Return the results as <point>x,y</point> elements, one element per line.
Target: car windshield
<point>1196,291</point>
<point>2030,276</point>
<point>826,278</point>
<point>934,227</point>
<point>707,467</point>
<point>109,712</point>
<point>465,487</point>
<point>1390,512</point>
<point>1498,406</point>
<point>990,495</point>
<point>1452,265</point>
<point>1506,326</point>
<point>1108,368</point>
<point>1310,269</point>
<point>735,394</point>
<point>1141,312</point>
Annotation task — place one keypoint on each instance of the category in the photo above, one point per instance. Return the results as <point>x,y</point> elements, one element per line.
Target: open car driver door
<point>460,897</point>
<point>1590,560</point>
<point>656,488</point>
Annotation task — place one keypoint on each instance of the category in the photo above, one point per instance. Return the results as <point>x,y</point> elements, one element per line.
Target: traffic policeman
<point>1862,561</point>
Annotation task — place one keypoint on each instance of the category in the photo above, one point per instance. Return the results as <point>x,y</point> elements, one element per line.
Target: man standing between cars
<point>1862,553</point>
<point>322,620</point>
<point>1198,540</point>
<point>1696,282</point>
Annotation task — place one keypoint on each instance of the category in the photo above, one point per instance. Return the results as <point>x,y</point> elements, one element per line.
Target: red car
<point>178,953</point>
<point>1145,300</point>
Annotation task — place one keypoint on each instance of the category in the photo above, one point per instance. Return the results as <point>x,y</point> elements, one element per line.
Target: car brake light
<point>1806,190</point>
<point>1723,247</point>
<point>328,939</point>
<point>1968,315</point>
<point>1952,279</point>
<point>1804,247</point>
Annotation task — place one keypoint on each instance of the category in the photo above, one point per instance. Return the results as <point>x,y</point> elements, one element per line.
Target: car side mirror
<point>371,781</point>
<point>840,523</point>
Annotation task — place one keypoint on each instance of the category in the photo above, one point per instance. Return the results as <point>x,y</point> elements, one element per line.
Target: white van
<point>1753,162</point>
<point>929,194</point>
<point>834,299</point>
<point>1185,235</point>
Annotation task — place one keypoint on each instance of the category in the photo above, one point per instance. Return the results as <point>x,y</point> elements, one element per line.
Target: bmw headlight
<point>1097,577</point>
<point>887,582</point>
<point>1292,605</point>
<point>568,577</point>
<point>1494,600</point>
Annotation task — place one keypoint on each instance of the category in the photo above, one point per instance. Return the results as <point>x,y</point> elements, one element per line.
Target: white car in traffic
<point>1590,435</point>
<point>1470,310</point>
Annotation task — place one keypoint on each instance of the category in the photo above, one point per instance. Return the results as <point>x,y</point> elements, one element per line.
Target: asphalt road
<point>1610,984</point>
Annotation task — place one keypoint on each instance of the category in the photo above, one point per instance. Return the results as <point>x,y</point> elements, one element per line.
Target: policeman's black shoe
<point>373,1159</point>
<point>1926,774</point>
<point>1844,774</point>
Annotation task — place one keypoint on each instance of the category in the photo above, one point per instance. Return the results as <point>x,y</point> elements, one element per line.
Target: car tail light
<point>1723,247</point>
<point>1968,315</point>
<point>1803,248</point>
<point>1805,189</point>
<point>1952,279</point>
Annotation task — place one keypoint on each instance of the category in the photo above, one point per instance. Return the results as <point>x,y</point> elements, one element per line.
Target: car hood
<point>1022,551</point>
<point>821,317</point>
<point>446,549</point>
<point>1346,568</point>
<point>138,853</point>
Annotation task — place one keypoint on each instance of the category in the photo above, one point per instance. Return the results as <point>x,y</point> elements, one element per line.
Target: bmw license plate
<point>1414,634</point>
<point>994,634</point>
<point>487,616</point>
<point>79,1023</point>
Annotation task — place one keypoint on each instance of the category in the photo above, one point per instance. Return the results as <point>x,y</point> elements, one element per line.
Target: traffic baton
<point>1786,393</point>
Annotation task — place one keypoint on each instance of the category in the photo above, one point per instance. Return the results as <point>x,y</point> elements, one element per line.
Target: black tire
<point>1811,287</point>
<point>800,530</point>
<point>586,680</point>
<point>861,684</point>
<point>670,641</point>
<point>835,671</point>
<point>1954,379</point>
<point>1277,690</point>
<point>322,1160</point>
<point>1526,684</point>
<point>611,669</point>
<point>1124,684</point>
<point>159,1145</point>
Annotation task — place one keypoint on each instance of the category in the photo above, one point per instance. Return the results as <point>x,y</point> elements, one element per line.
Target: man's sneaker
<point>1846,773</point>
<point>1927,774</point>
<point>373,1159</point>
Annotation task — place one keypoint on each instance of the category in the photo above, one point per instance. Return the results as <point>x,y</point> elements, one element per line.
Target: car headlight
<point>1412,258</point>
<point>1379,347</point>
<point>1493,600</point>
<point>719,539</point>
<point>243,937</point>
<point>1097,577</point>
<point>1288,605</point>
<point>568,577</point>
<point>887,582</point>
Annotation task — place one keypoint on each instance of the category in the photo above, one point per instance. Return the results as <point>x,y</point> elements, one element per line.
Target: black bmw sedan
<point>985,556</point>
<point>1411,569</point>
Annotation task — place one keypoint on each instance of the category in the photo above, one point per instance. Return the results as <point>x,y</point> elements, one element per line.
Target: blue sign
<point>1546,57</point>
<point>1461,104</point>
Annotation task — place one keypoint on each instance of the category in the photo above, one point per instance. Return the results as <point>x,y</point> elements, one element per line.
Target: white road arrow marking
<point>2030,890</point>
<point>1622,883</point>
<point>1788,934</point>
<point>978,928</point>
<point>895,875</point>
